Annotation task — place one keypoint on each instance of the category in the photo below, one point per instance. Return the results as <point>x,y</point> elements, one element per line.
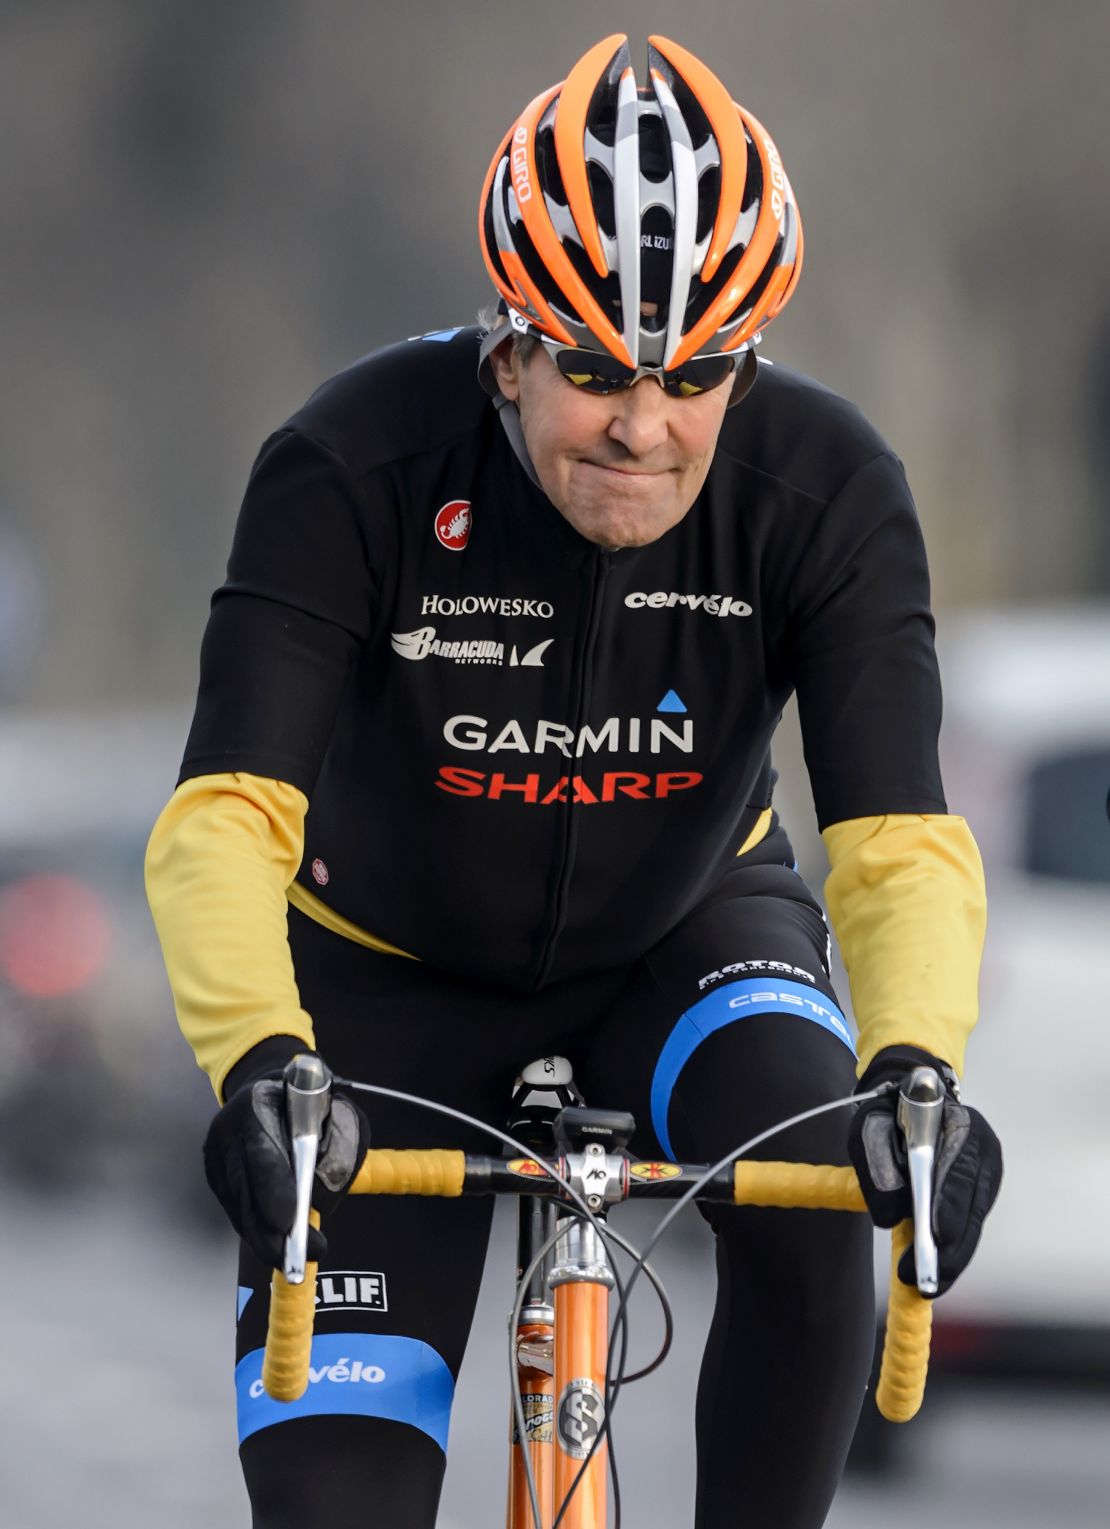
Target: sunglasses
<point>595,372</point>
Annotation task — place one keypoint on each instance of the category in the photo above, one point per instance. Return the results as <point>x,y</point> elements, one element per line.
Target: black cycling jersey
<point>527,757</point>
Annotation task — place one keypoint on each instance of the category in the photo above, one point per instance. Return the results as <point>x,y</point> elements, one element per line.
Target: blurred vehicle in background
<point>1026,756</point>
<point>95,1079</point>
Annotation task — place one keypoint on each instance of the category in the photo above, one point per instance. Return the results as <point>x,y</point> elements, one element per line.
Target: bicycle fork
<point>562,1345</point>
<point>534,1346</point>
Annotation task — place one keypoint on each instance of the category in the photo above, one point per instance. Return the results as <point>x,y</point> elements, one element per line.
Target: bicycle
<point>567,1365</point>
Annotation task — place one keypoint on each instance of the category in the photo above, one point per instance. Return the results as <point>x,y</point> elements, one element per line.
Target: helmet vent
<point>548,287</point>
<point>602,123</point>
<point>702,295</point>
<point>697,123</point>
<point>753,184</point>
<point>606,289</point>
<point>547,163</point>
<point>601,190</point>
<point>763,280</point>
<point>709,196</point>
<point>492,250</point>
<point>655,153</point>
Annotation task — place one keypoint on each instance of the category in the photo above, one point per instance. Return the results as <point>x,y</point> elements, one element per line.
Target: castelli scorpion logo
<point>452,524</point>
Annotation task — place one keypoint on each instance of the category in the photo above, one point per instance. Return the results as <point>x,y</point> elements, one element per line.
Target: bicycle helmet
<point>603,197</point>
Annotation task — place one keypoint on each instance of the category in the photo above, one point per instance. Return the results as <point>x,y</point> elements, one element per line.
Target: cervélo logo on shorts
<point>452,524</point>
<point>712,605</point>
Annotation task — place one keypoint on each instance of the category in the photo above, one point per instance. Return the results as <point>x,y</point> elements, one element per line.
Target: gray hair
<point>489,318</point>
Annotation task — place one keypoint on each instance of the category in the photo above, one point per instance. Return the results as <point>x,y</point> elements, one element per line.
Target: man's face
<point>622,468</point>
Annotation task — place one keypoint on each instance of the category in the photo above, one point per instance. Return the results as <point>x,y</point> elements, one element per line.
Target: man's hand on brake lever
<point>248,1161</point>
<point>967,1172</point>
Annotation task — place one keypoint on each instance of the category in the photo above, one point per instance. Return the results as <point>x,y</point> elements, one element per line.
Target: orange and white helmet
<point>604,200</point>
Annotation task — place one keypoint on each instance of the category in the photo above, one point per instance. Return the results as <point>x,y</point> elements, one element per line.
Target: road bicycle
<point>568,1165</point>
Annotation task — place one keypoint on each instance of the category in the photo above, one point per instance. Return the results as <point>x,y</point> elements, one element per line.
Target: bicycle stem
<point>920,1111</point>
<point>307,1097</point>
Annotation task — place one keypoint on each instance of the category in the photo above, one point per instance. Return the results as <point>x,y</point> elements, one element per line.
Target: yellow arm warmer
<point>219,861</point>
<point>908,906</point>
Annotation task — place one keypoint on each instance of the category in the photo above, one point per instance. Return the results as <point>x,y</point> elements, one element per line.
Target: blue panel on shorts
<point>755,995</point>
<point>368,1374</point>
<point>245,1293</point>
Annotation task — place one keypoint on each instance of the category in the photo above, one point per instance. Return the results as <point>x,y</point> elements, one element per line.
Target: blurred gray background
<point>211,208</point>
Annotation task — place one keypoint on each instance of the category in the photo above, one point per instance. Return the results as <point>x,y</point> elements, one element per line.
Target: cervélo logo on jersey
<point>655,737</point>
<point>712,605</point>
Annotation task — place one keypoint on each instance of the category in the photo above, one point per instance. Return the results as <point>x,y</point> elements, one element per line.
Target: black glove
<point>968,1169</point>
<point>247,1156</point>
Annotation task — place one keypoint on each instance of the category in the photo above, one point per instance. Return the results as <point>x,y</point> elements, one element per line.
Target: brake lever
<point>307,1100</point>
<point>920,1111</point>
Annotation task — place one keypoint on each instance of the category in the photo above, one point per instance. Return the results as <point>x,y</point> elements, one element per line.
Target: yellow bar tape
<point>809,1186</point>
<point>289,1336</point>
<point>789,1185</point>
<point>909,1325</point>
<point>411,1171</point>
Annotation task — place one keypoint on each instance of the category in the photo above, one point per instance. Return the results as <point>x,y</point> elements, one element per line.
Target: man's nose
<point>640,419</point>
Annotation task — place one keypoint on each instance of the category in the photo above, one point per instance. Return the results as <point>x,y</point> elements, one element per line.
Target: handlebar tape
<point>909,1323</point>
<point>427,1171</point>
<point>789,1185</point>
<point>909,1317</point>
<point>289,1337</point>
<point>293,1307</point>
<point>807,1186</point>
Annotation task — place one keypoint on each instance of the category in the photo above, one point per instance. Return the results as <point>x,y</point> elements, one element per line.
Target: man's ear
<point>506,364</point>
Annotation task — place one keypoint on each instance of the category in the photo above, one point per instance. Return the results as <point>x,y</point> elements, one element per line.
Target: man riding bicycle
<point>480,771</point>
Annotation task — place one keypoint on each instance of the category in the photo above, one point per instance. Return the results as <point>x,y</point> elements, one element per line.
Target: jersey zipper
<point>570,816</point>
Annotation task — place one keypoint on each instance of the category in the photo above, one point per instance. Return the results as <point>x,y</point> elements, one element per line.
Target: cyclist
<point>480,771</point>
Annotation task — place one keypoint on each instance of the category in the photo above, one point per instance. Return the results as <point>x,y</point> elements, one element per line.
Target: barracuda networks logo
<point>423,643</point>
<point>616,735</point>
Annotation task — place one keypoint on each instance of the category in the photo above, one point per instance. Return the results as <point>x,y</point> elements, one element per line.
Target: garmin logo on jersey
<point>351,1290</point>
<point>423,643</point>
<point>487,605</point>
<point>452,524</point>
<point>754,966</point>
<point>631,735</point>
<point>713,605</point>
